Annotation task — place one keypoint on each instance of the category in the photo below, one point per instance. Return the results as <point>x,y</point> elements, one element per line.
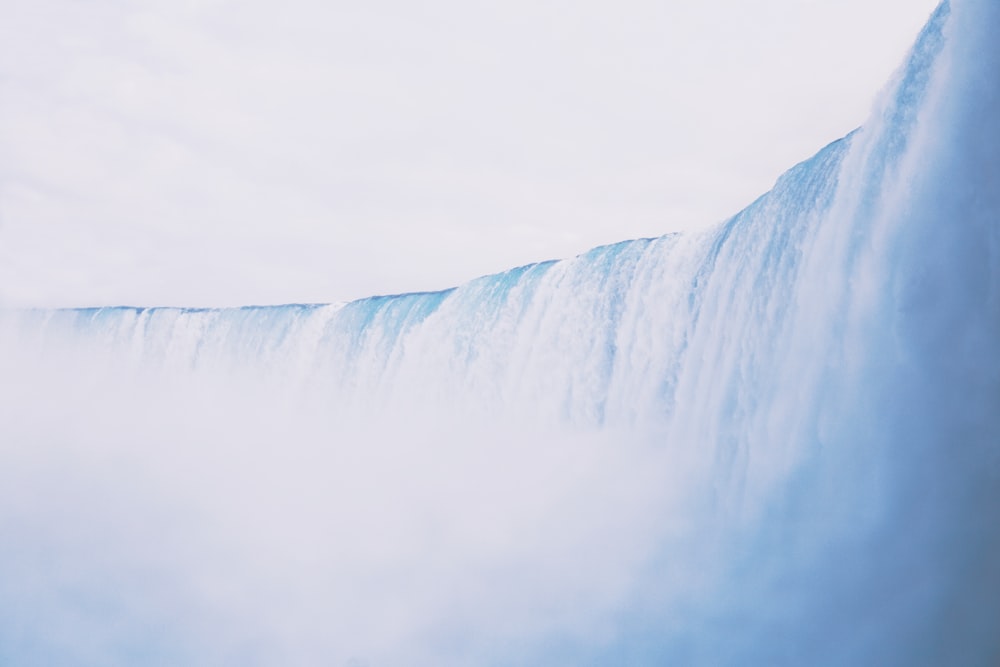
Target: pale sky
<point>210,152</point>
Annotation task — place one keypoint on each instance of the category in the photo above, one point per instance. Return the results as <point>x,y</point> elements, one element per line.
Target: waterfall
<point>775,441</point>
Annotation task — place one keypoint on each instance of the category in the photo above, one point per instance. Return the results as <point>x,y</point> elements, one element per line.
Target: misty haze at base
<point>771,442</point>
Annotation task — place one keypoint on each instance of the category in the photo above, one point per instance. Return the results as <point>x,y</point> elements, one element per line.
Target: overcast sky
<point>213,152</point>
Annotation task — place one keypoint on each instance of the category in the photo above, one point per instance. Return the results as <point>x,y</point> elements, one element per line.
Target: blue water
<point>773,442</point>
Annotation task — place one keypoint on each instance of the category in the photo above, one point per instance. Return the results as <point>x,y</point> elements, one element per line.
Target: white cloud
<point>219,153</point>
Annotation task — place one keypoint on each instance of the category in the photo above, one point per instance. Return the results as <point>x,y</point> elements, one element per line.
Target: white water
<point>774,442</point>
